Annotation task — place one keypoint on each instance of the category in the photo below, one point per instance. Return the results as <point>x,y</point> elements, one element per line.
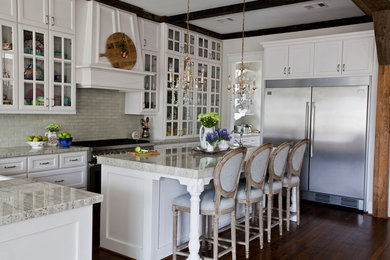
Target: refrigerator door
<point>338,138</point>
<point>286,117</point>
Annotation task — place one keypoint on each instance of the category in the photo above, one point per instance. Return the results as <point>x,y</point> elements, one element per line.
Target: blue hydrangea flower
<point>212,138</point>
<point>223,134</point>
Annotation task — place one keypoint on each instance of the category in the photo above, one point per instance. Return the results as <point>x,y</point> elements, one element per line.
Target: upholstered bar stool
<point>291,179</point>
<point>276,170</point>
<point>250,192</point>
<point>215,202</point>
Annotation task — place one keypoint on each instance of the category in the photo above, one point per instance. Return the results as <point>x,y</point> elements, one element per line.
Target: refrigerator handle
<point>307,118</point>
<point>313,124</point>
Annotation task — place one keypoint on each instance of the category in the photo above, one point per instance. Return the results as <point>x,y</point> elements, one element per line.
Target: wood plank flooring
<point>326,232</point>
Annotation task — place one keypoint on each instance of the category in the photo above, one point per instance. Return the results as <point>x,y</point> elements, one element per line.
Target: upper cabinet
<point>149,34</point>
<point>8,10</point>
<point>57,15</point>
<point>329,56</point>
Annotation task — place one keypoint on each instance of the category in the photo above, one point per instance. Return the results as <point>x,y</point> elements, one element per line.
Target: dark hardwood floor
<point>326,232</point>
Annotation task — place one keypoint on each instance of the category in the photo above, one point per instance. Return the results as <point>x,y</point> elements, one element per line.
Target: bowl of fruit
<point>37,142</point>
<point>65,139</point>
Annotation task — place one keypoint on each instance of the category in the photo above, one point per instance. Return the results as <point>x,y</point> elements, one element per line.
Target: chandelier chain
<point>188,26</point>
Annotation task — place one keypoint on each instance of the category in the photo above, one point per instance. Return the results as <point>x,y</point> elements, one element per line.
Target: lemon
<point>36,139</point>
<point>60,135</point>
<point>67,136</point>
<point>30,138</point>
<point>39,137</point>
<point>45,139</point>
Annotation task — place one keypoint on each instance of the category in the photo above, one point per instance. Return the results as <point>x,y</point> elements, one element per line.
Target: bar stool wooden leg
<point>247,230</point>
<point>269,215</point>
<point>233,232</point>
<point>261,223</point>
<point>209,229</point>
<point>174,235</point>
<point>204,219</point>
<point>215,242</point>
<point>288,202</point>
<point>280,212</point>
<point>298,207</point>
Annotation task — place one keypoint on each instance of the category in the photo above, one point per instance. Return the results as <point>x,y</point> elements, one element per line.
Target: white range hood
<point>95,23</point>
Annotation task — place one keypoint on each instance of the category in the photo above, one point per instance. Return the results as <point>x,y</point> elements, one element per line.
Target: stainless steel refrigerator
<point>332,114</point>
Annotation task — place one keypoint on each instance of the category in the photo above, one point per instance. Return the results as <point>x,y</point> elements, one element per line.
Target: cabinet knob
<point>338,67</point>
<point>145,42</point>
<point>46,19</point>
<point>343,67</point>
<point>289,70</point>
<point>285,70</point>
<point>52,21</point>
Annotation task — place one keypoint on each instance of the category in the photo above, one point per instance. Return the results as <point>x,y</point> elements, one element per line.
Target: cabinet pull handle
<point>74,160</point>
<point>44,163</point>
<point>338,67</point>
<point>52,21</point>
<point>46,19</point>
<point>285,69</point>
<point>47,102</point>
<point>145,42</point>
<point>59,181</point>
<point>289,70</point>
<point>53,102</point>
<point>10,167</point>
<point>343,67</point>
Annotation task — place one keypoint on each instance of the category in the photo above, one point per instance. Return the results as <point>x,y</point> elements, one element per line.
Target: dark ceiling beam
<point>199,30</point>
<point>370,6</point>
<point>300,27</point>
<point>231,9</point>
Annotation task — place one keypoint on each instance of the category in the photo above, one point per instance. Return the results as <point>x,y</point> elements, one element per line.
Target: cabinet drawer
<point>42,163</point>
<point>68,160</point>
<point>255,141</point>
<point>73,177</point>
<point>11,166</point>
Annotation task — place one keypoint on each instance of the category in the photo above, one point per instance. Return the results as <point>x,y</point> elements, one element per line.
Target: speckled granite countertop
<point>184,162</point>
<point>28,151</point>
<point>22,199</point>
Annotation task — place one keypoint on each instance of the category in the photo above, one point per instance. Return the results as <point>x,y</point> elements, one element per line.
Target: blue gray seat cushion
<point>254,194</point>
<point>294,179</point>
<point>276,185</point>
<point>206,201</point>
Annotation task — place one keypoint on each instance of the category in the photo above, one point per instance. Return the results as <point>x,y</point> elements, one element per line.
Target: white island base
<point>62,236</point>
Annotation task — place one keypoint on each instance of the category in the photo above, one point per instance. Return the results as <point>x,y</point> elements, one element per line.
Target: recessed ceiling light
<point>225,20</point>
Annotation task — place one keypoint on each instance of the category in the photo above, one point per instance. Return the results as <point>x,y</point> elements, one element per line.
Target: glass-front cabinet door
<point>8,77</point>
<point>216,50</point>
<point>215,80</point>
<point>172,102</point>
<point>201,93</point>
<point>191,46</point>
<point>150,82</point>
<point>33,61</point>
<point>62,84</point>
<point>174,41</point>
<point>203,47</point>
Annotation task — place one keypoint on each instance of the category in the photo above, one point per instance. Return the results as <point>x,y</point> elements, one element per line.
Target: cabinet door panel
<point>358,56</point>
<point>8,9</point>
<point>300,59</point>
<point>34,12</point>
<point>62,13</point>
<point>150,32</point>
<point>276,59</point>
<point>327,58</point>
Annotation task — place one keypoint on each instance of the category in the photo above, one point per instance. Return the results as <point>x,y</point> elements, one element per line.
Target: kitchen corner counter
<point>22,199</point>
<point>28,151</point>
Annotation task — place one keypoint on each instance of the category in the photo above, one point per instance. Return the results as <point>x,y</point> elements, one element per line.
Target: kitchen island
<point>43,221</point>
<point>136,215</point>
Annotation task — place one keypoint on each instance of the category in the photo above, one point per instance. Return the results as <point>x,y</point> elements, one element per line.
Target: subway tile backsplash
<point>100,115</point>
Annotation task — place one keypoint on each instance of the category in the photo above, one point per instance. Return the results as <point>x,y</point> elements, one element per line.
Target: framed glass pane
<point>177,35</point>
<point>169,113</point>
<point>153,100</point>
<point>190,131</point>
<point>154,63</point>
<point>170,33</point>
<point>147,62</point>
<point>175,113</point>
<point>58,72</point>
<point>57,47</point>
<point>184,113</point>
<point>7,38</point>
<point>40,95</point>
<point>28,94</point>
<point>146,100</point>
<point>175,129</point>
<point>154,83</point>
<point>57,95</point>
<point>212,99</point>
<point>67,49</point>
<point>170,45</point>
<point>169,97</point>
<point>169,129</point>
<point>8,92</point>
<point>184,128</point>
<point>217,100</point>
<point>8,65</point>
<point>177,46</point>
<point>28,69</point>
<point>67,73</point>
<point>39,44</point>
<point>28,42</point>
<point>147,82</point>
<point>67,96</point>
<point>40,70</point>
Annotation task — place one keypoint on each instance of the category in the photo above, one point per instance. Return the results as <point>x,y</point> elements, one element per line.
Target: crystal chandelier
<point>186,83</point>
<point>243,89</point>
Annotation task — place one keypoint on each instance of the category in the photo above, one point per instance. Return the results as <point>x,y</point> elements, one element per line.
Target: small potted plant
<point>211,141</point>
<point>51,134</point>
<point>208,121</point>
<point>224,138</point>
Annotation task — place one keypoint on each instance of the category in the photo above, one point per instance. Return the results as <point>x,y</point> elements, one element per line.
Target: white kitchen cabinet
<point>69,160</point>
<point>327,58</point>
<point>216,50</point>
<point>8,67</point>
<point>8,10</point>
<point>174,40</point>
<point>57,15</point>
<point>149,34</point>
<point>43,163</point>
<point>75,177</point>
<point>289,61</point>
<point>145,102</point>
<point>192,46</point>
<point>276,60</point>
<point>358,56</point>
<point>12,166</point>
<point>203,47</point>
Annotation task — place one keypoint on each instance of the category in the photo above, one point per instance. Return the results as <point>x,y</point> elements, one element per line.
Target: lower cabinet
<point>73,177</point>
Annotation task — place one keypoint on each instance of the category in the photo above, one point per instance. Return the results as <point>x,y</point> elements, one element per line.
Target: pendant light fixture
<point>186,83</point>
<point>243,89</point>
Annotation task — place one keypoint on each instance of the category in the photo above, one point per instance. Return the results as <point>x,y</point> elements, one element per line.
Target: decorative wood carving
<point>120,50</point>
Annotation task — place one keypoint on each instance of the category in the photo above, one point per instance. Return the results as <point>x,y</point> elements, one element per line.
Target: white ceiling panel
<point>174,7</point>
<point>281,16</point>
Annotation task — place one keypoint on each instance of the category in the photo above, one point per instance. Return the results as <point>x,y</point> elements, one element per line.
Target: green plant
<point>209,119</point>
<point>53,128</point>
